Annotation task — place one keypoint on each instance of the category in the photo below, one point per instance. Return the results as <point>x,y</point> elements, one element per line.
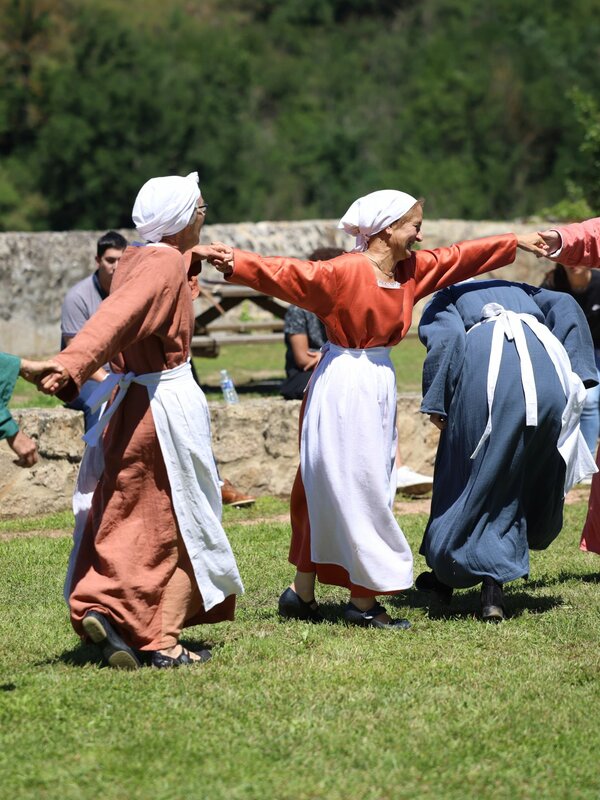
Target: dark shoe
<point>162,661</point>
<point>292,606</point>
<point>366,619</point>
<point>231,497</point>
<point>428,582</point>
<point>115,652</point>
<point>492,600</point>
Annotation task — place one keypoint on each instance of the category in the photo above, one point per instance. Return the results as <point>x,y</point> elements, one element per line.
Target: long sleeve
<point>308,284</point>
<point>436,269</point>
<point>565,318</point>
<point>580,244</point>
<point>442,331</point>
<point>9,372</point>
<point>140,307</point>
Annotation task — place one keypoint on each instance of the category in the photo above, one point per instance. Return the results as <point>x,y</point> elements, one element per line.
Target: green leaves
<point>291,109</point>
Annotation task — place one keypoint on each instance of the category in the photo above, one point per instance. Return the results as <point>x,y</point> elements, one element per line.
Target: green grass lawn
<point>451,709</point>
<point>250,363</point>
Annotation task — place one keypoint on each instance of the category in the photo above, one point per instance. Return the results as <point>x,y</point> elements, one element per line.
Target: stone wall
<point>37,269</point>
<point>255,444</point>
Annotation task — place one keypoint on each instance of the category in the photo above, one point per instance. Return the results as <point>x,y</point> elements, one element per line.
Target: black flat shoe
<point>492,601</point>
<point>292,606</point>
<point>366,619</point>
<point>115,652</point>
<point>162,661</point>
<point>428,582</point>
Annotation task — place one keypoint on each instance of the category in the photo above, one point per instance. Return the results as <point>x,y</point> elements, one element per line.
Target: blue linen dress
<point>487,513</point>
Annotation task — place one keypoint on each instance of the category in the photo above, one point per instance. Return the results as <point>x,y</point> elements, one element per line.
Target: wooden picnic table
<point>211,330</point>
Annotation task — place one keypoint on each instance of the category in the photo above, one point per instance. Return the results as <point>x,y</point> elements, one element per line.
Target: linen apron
<point>347,454</point>
<point>182,422</point>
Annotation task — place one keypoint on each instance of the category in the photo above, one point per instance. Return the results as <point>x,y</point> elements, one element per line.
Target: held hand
<point>439,421</point>
<point>552,239</point>
<point>54,380</point>
<point>533,243</point>
<point>25,449</point>
<point>207,251</point>
<point>33,370</point>
<point>221,257</point>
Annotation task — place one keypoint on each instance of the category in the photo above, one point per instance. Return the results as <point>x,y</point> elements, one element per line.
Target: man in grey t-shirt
<point>81,301</point>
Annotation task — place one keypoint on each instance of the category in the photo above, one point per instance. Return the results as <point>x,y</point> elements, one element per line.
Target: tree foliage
<point>292,108</point>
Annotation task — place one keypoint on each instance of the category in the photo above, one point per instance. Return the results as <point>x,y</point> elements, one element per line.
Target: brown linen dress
<point>132,564</point>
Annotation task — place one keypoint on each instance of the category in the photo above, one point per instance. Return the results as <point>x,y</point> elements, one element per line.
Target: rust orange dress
<point>343,527</point>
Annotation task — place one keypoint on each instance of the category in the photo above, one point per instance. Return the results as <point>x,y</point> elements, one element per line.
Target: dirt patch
<point>51,534</point>
<point>578,494</point>
<point>415,505</point>
<point>277,518</point>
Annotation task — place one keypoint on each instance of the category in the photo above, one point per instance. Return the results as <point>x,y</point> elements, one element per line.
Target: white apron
<point>182,422</point>
<point>347,453</point>
<point>571,444</point>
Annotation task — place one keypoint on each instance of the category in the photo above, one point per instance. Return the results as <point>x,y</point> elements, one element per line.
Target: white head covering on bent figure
<point>165,206</point>
<point>372,213</point>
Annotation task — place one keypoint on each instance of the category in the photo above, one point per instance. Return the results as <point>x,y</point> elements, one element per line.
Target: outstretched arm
<point>140,306</point>
<point>436,269</point>
<point>308,284</point>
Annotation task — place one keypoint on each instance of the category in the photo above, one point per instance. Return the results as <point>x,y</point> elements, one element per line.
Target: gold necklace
<point>389,275</point>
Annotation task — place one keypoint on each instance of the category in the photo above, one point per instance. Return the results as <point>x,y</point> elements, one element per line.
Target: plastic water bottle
<point>229,393</point>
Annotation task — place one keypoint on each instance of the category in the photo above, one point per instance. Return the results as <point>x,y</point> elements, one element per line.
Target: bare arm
<point>308,284</point>
<point>304,358</point>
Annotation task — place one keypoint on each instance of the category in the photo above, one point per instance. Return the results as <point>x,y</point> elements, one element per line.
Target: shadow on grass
<point>466,605</point>
<point>79,656</point>
<point>86,654</point>
<point>564,577</point>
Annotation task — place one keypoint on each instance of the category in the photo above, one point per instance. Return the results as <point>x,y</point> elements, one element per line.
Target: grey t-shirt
<point>80,302</point>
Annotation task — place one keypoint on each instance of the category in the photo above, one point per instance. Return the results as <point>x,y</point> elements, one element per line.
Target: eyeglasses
<point>202,208</point>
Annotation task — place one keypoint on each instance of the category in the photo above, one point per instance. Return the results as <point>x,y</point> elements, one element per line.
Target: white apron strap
<point>571,445</point>
<point>123,382</point>
<point>509,324</point>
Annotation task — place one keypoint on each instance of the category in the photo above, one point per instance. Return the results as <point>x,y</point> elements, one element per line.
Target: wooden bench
<point>210,334</point>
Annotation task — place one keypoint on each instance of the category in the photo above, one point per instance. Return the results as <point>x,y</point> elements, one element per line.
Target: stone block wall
<point>255,444</point>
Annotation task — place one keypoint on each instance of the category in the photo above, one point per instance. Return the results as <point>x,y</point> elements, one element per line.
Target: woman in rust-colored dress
<point>343,528</point>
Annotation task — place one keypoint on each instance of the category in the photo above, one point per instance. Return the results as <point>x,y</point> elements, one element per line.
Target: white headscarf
<point>372,213</point>
<point>164,206</point>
